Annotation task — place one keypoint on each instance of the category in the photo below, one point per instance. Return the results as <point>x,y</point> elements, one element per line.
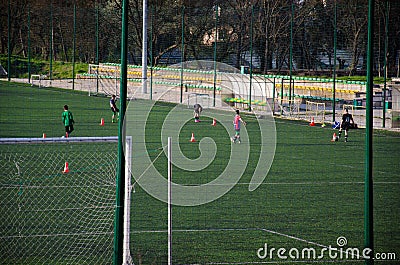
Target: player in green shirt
<point>68,121</point>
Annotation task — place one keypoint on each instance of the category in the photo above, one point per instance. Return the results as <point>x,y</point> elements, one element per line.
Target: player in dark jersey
<point>114,108</point>
<point>347,122</point>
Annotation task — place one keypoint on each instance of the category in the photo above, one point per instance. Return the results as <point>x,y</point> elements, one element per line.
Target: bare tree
<point>51,29</point>
<point>352,22</point>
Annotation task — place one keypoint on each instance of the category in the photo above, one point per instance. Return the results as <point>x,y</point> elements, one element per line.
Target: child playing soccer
<point>236,125</point>
<point>347,122</point>
<point>114,108</point>
<point>68,121</point>
<point>197,111</point>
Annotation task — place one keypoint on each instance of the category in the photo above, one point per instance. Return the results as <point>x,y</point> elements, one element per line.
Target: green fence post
<point>9,41</point>
<point>215,54</point>
<point>282,95</point>
<point>97,46</point>
<point>73,49</point>
<point>120,178</point>
<point>151,50</point>
<point>334,63</point>
<point>385,64</point>
<point>51,41</point>
<point>182,51</point>
<point>368,192</point>
<point>273,97</point>
<point>291,52</point>
<point>251,54</point>
<point>29,43</point>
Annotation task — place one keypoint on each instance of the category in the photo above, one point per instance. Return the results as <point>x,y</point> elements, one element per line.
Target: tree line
<point>271,35</point>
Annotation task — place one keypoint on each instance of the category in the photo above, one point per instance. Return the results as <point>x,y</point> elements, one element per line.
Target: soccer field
<point>312,196</point>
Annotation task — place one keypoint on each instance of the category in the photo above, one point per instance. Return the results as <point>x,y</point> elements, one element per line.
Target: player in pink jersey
<point>236,125</point>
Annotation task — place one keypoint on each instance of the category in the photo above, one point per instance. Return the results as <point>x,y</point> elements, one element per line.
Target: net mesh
<point>49,216</point>
<point>315,111</point>
<point>296,50</point>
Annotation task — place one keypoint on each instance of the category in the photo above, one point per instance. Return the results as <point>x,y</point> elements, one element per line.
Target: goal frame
<point>38,79</point>
<point>199,98</point>
<point>127,259</point>
<point>289,107</point>
<point>315,113</point>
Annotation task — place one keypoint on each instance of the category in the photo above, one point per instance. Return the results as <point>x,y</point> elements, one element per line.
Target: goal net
<point>289,107</point>
<point>104,79</point>
<point>203,99</point>
<point>36,80</point>
<point>58,200</point>
<point>316,111</point>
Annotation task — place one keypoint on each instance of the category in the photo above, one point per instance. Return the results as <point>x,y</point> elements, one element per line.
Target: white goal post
<point>58,200</point>
<point>197,98</point>
<point>316,111</point>
<point>36,80</point>
<point>289,107</point>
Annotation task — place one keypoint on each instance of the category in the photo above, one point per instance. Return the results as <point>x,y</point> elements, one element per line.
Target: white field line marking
<point>243,229</point>
<point>311,183</point>
<point>233,229</point>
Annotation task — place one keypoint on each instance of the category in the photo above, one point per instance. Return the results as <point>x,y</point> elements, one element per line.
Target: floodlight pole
<point>120,178</point>
<point>368,178</point>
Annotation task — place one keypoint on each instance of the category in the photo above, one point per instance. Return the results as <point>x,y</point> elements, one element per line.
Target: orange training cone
<point>66,168</point>
<point>214,122</point>
<point>334,138</point>
<point>102,122</point>
<point>44,135</point>
<point>312,123</point>
<point>192,139</point>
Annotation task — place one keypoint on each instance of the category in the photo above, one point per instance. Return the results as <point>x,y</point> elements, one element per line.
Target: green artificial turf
<point>313,193</point>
